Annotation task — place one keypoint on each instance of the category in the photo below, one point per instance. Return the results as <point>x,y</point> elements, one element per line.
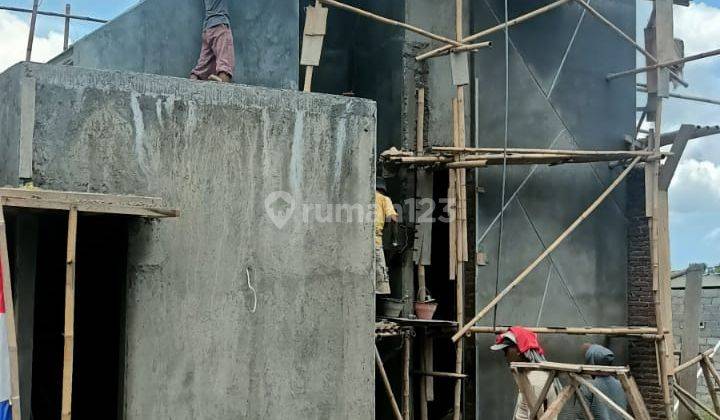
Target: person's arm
<point>390,210</point>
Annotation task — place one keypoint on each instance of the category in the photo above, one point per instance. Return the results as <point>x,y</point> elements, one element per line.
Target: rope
<point>504,165</point>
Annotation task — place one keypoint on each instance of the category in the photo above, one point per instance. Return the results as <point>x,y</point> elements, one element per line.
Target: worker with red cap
<point>521,345</point>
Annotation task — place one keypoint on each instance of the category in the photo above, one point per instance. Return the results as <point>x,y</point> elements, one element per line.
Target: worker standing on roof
<point>217,55</point>
<point>521,345</point>
<point>384,210</point>
<point>596,354</point>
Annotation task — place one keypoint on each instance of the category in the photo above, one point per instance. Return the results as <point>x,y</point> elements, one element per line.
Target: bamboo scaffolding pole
<point>691,362</point>
<point>69,331</point>
<point>54,14</point>
<point>584,405</point>
<point>547,251</point>
<point>388,388</point>
<point>420,128</point>
<point>610,403</point>
<point>66,33</point>
<point>711,385</point>
<point>650,332</point>
<point>626,37</point>
<point>643,88</point>
<point>563,397</point>
<point>510,151</point>
<point>9,317</point>
<point>511,22</point>
<point>689,396</point>
<point>392,22</point>
<point>307,87</point>
<point>635,400</point>
<point>686,403</point>
<point>31,36</point>
<point>406,377</point>
<point>461,252</point>
<point>665,64</point>
<point>452,375</point>
<point>711,367</point>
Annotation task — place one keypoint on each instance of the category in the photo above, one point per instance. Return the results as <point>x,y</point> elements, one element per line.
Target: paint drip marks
<point>139,146</point>
<point>340,148</point>
<point>297,154</point>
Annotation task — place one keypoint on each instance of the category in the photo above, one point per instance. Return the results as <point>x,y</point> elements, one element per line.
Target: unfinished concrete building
<point>196,246</point>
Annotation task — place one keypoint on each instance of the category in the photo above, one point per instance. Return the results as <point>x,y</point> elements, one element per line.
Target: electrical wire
<point>504,165</point>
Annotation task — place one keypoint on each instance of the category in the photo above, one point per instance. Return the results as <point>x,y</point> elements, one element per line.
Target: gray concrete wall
<point>164,37</point>
<point>558,98</point>
<point>10,125</point>
<point>195,348</point>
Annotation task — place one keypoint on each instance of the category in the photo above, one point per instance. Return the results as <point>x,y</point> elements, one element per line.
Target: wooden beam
<point>557,405</point>
<point>525,388</point>
<point>451,375</point>
<point>69,330</point>
<point>584,405</point>
<point>635,400</point>
<point>571,368</point>
<point>691,331</point>
<point>9,317</point>
<point>547,251</point>
<point>700,131</point>
<point>388,388</point>
<point>87,202</point>
<point>667,171</point>
<point>609,402</point>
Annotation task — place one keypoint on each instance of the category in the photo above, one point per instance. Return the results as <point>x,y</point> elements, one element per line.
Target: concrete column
<point>690,341</point>
<point>26,243</point>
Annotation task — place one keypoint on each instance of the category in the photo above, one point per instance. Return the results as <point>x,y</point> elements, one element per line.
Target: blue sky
<point>694,194</point>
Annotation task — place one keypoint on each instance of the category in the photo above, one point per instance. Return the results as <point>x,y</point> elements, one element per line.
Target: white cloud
<point>713,235</point>
<point>695,187</point>
<point>698,26</point>
<point>14,36</point>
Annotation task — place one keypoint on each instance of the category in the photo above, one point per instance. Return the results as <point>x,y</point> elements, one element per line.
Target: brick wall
<point>641,311</point>
<point>709,332</point>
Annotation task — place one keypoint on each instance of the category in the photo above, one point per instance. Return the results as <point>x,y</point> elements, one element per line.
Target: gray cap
<point>508,339</point>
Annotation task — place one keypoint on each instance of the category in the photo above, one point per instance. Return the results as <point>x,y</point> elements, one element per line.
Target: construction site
<point>174,248</point>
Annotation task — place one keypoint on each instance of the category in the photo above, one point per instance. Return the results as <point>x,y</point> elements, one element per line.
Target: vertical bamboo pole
<point>31,36</point>
<point>459,123</point>
<point>388,388</point>
<point>69,315</point>
<point>66,37</point>
<point>9,318</point>
<point>711,385</point>
<point>420,131</point>
<point>307,87</point>
<point>406,376</point>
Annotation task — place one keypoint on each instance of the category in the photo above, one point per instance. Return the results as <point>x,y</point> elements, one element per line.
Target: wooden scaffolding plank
<point>69,330</point>
<point>9,318</point>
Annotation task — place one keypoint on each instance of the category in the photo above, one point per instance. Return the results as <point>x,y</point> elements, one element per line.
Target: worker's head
<point>596,354</point>
<point>380,186</point>
<point>519,345</point>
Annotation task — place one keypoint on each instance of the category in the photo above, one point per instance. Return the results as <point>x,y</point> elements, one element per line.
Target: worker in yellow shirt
<point>384,210</point>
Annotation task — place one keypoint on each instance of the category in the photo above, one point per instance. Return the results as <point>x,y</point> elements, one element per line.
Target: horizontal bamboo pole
<point>666,64</point>
<point>570,367</point>
<point>468,164</point>
<point>444,149</point>
<point>511,22</point>
<point>547,251</point>
<point>392,22</point>
<point>54,14</point>
<point>642,331</point>
<point>692,361</point>
<point>643,88</point>
<point>442,374</point>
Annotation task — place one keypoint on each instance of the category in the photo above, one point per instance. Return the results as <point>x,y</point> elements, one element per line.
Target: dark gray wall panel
<point>558,99</point>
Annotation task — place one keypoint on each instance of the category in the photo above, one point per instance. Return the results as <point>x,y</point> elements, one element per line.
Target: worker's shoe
<point>215,78</point>
<point>194,76</point>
